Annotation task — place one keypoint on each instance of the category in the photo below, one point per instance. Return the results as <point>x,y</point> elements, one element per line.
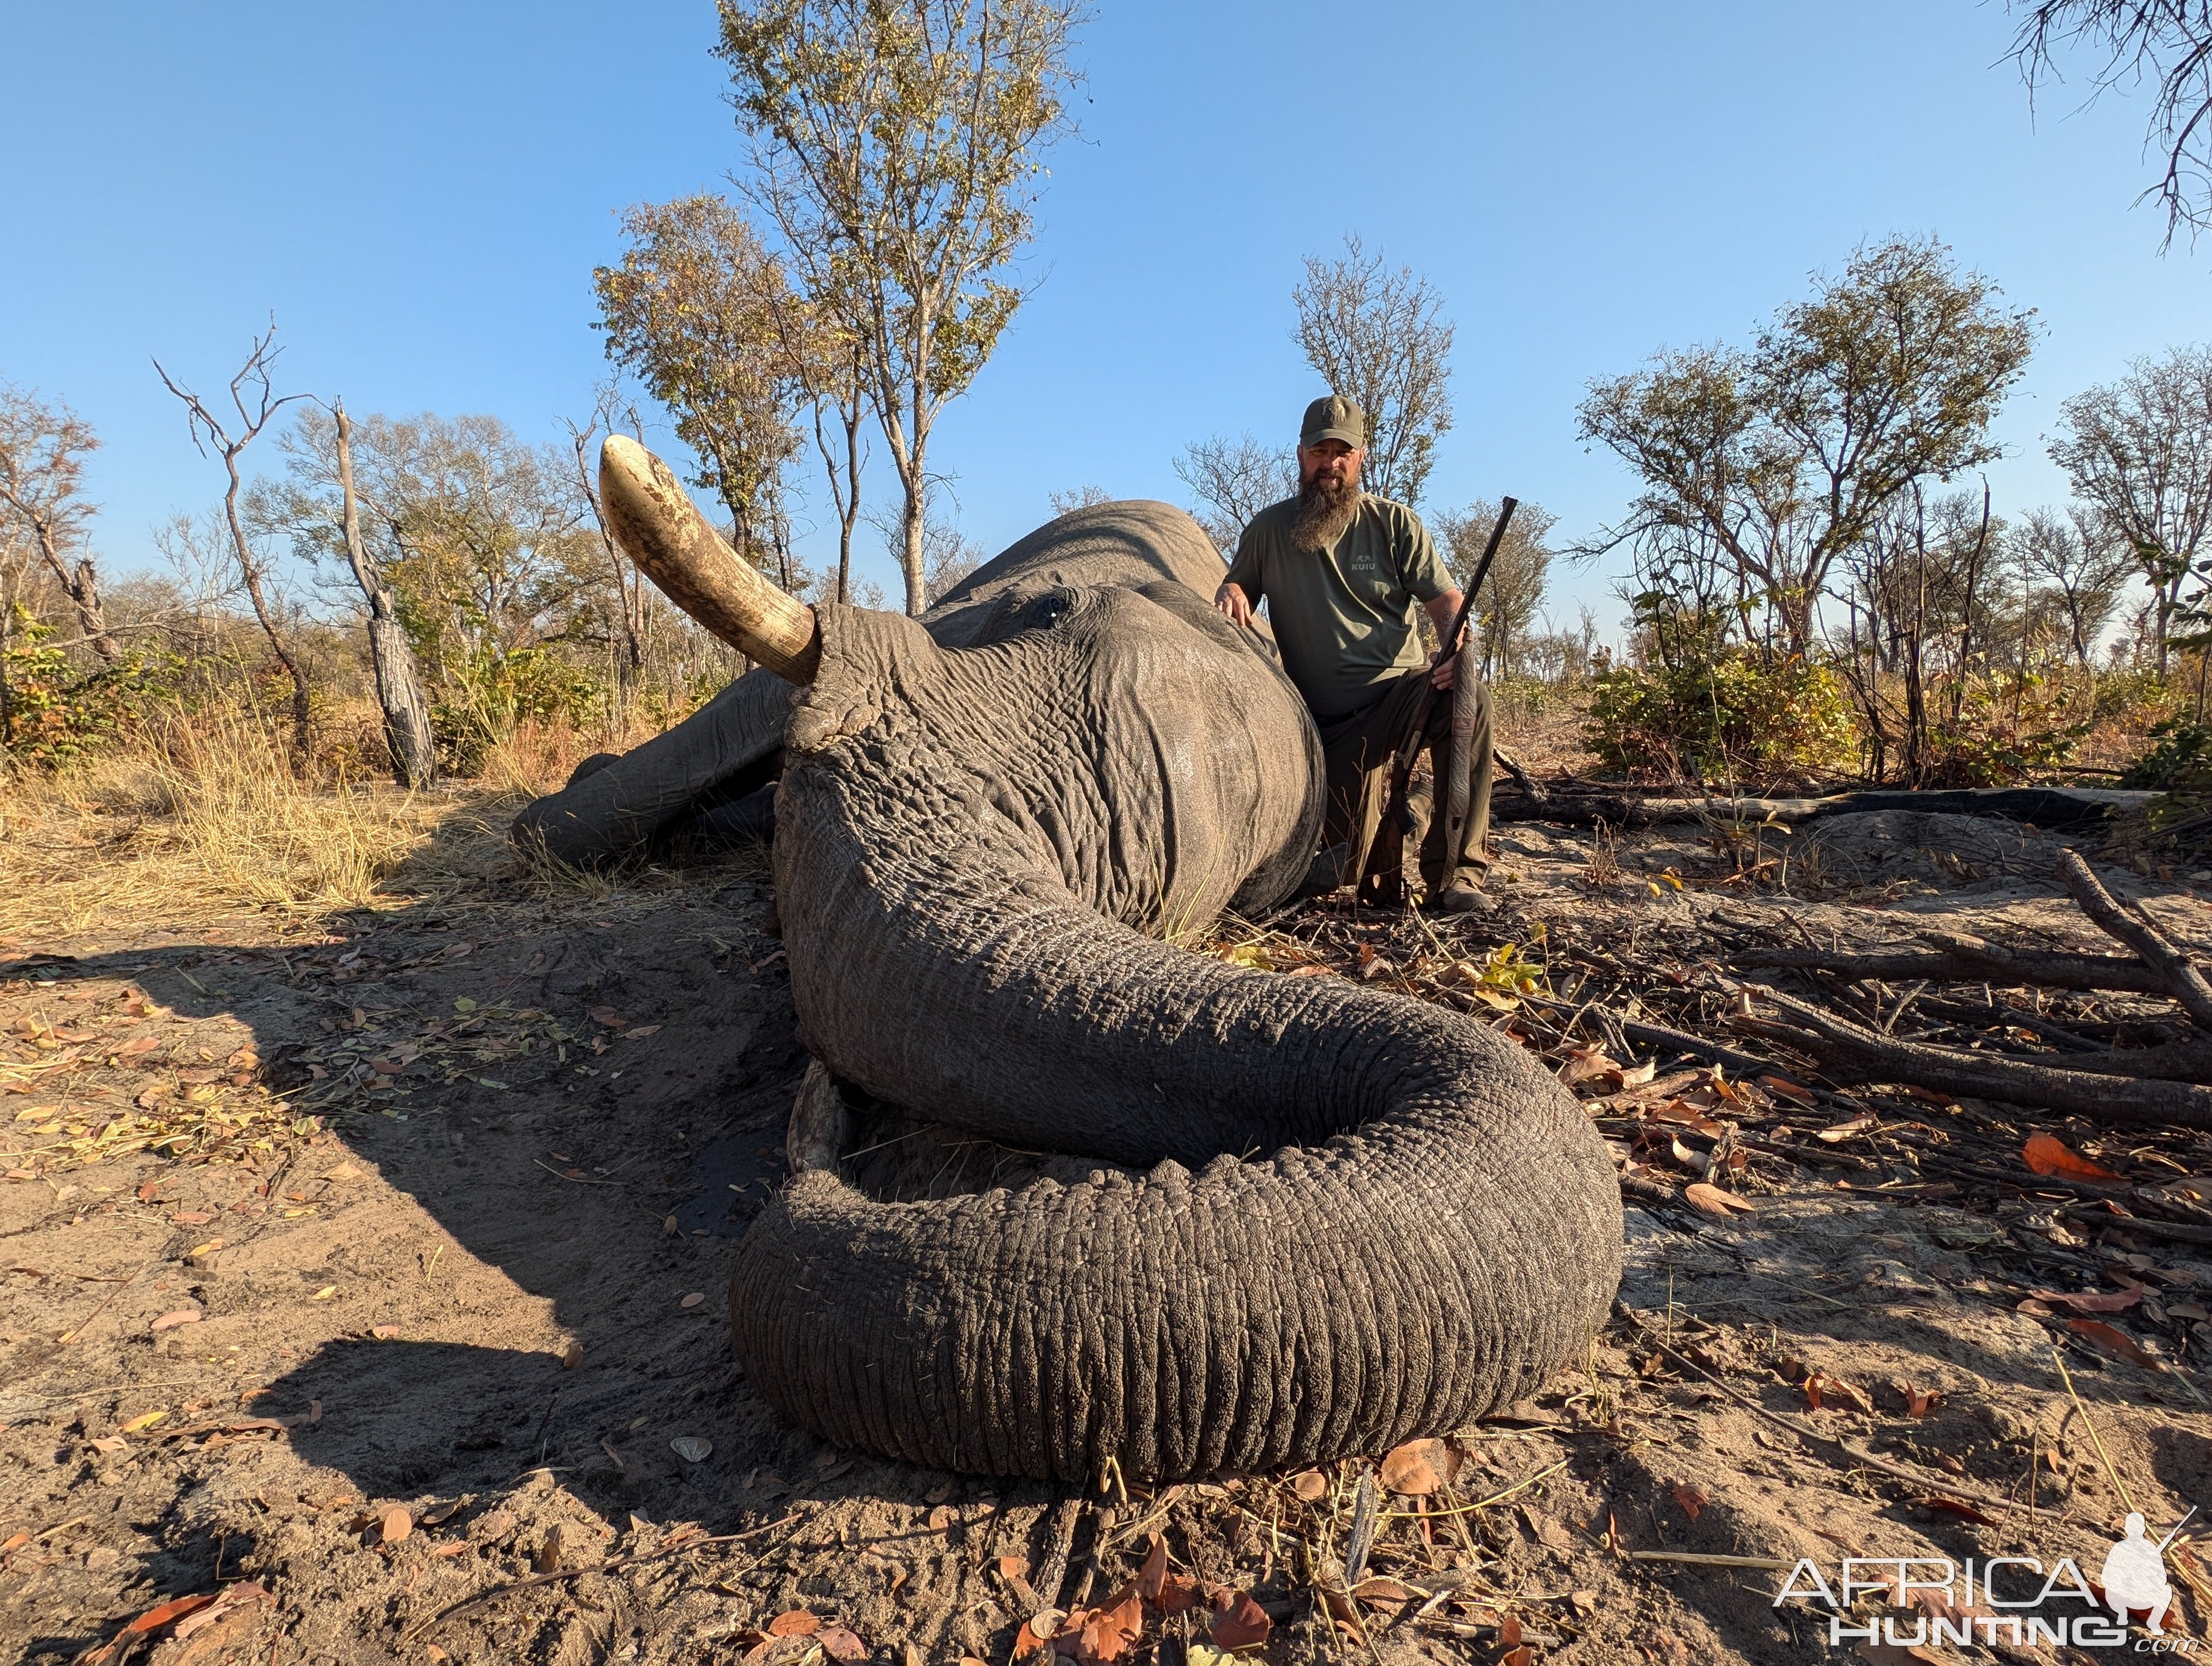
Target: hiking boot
<point>1463,895</point>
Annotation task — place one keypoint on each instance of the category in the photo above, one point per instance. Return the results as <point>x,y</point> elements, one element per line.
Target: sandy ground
<point>360,1270</point>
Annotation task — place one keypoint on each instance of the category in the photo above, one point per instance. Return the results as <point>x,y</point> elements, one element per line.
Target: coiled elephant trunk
<point>1327,1218</point>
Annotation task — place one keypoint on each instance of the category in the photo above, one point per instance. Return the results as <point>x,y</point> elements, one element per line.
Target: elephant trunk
<point>654,521</point>
<point>1329,1219</point>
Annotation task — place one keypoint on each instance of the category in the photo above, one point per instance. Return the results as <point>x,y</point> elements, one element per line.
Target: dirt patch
<point>398,1311</point>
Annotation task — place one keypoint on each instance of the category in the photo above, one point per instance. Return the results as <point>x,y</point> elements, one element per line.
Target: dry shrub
<point>214,819</point>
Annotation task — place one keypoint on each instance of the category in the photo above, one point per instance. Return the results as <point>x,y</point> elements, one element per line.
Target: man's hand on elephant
<point>1232,600</point>
<point>1443,670</point>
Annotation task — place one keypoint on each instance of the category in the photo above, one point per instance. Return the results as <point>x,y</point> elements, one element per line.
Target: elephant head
<point>1225,1220</point>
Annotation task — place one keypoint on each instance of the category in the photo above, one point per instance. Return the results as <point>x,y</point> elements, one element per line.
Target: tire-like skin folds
<point>1337,1220</point>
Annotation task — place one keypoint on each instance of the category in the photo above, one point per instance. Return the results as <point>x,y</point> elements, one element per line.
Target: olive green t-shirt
<point>1345,615</point>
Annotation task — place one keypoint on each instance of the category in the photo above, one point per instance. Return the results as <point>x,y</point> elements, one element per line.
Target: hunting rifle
<point>1380,881</point>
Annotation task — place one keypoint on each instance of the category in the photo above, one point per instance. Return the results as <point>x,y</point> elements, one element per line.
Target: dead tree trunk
<point>398,687</point>
<point>81,584</point>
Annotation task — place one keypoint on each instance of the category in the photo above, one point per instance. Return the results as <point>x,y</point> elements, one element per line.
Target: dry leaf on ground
<point>1819,1387</point>
<point>2047,1154</point>
<point>396,1524</point>
<point>1692,1496</point>
<point>2091,1301</point>
<point>2114,1341</point>
<point>794,1622</point>
<point>1238,1621</point>
<point>1712,1201</point>
<point>1310,1484</point>
<point>1418,1467</point>
<point>840,1644</point>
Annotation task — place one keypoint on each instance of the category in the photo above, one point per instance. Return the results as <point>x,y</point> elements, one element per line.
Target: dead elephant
<point>1277,1220</point>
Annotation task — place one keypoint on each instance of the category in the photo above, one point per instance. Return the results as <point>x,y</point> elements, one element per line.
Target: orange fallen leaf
<point>1919,1403</point>
<point>1692,1496</point>
<point>1026,1640</point>
<point>2047,1154</point>
<point>794,1622</point>
<point>1821,1386</point>
<point>1712,1201</point>
<point>1014,1567</point>
<point>1786,1088</point>
<point>609,1017</point>
<point>1108,1633</point>
<point>2114,1341</point>
<point>1417,1468</point>
<point>1841,1131</point>
<point>1958,1507</point>
<point>1310,1485</point>
<point>840,1644</point>
<point>396,1524</point>
<point>2093,1301</point>
<point>1178,1594</point>
<point>1155,1570</point>
<point>183,1315</point>
<point>1238,1621</point>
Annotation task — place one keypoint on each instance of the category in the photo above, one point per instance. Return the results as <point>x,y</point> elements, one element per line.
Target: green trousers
<point>1358,748</point>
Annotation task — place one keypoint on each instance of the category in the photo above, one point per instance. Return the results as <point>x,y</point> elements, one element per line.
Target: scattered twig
<point>1938,1483</point>
<point>676,1549</point>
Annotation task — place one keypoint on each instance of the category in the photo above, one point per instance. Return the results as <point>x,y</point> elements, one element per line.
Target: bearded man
<point>1341,571</point>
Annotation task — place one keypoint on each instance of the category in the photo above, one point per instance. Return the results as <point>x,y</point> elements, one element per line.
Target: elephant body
<point>1200,1218</point>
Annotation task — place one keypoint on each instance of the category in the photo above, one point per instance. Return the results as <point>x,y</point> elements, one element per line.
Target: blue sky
<point>419,194</point>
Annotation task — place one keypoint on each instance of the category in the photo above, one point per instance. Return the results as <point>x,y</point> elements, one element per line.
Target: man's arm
<point>1240,590</point>
<point>1442,610</point>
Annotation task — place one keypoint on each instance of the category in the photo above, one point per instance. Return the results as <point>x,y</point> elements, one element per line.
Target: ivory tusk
<point>654,521</point>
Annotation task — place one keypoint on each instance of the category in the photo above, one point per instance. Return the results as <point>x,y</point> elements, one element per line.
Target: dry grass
<point>213,822</point>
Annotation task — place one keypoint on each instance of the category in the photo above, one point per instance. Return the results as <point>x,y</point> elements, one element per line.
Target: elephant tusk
<point>654,521</point>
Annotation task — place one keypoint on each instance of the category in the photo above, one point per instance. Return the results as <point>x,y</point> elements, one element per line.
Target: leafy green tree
<point>1777,459</point>
<point>2139,450</point>
<point>700,312</point>
<point>895,146</point>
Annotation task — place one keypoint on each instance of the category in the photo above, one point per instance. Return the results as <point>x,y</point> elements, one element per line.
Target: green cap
<point>1334,418</point>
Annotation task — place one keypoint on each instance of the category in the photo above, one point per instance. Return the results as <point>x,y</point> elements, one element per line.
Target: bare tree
<point>2166,43</point>
<point>399,685</point>
<point>696,311</point>
<point>42,451</point>
<point>1779,459</point>
<point>2082,567</point>
<point>894,144</point>
<point>1380,338</point>
<point>629,582</point>
<point>1235,479</point>
<point>1084,497</point>
<point>1513,594</point>
<point>254,400</point>
<point>2139,450</point>
<point>832,362</point>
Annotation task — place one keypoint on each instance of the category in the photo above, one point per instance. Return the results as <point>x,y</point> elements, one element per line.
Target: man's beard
<point>1324,511</point>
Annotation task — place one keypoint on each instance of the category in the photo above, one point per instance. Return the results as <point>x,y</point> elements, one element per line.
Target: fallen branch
<point>1962,959</point>
<point>1845,1048</point>
<point>2182,979</point>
